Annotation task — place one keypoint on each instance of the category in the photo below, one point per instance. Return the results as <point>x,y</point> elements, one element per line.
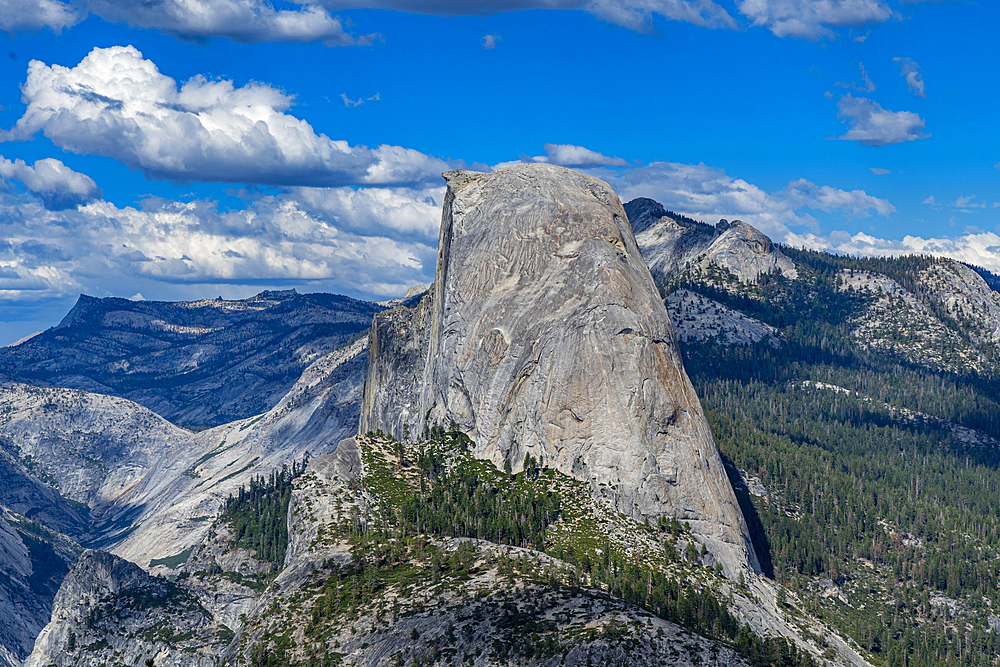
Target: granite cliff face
<point>545,336</point>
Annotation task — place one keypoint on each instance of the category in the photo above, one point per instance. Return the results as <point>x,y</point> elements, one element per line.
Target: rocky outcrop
<point>965,297</point>
<point>547,337</point>
<point>697,318</point>
<point>671,243</point>
<point>198,363</point>
<point>109,611</point>
<point>746,252</point>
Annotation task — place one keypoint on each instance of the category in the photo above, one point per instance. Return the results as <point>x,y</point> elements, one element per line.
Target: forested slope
<point>876,452</point>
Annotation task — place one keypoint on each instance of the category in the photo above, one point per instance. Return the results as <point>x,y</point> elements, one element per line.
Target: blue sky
<point>181,149</point>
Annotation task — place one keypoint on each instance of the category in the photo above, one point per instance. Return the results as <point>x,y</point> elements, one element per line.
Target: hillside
<point>197,364</point>
<point>863,426</point>
<point>418,553</point>
<point>114,475</point>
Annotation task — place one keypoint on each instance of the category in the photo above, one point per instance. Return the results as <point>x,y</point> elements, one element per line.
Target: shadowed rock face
<point>545,335</point>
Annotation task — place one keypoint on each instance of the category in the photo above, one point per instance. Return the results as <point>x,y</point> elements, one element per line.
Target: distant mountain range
<point>198,363</point>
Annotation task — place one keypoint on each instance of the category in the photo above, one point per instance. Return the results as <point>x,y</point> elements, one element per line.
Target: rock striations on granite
<point>544,335</point>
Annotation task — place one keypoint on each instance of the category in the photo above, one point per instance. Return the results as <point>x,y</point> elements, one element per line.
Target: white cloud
<point>930,201</point>
<point>708,193</point>
<point>58,186</point>
<point>813,19</point>
<point>979,248</point>
<point>825,198</point>
<point>964,201</point>
<point>99,248</point>
<point>632,14</point>
<point>568,155</point>
<point>490,41</point>
<point>240,20</point>
<point>878,171</point>
<point>31,15</point>
<point>409,212</point>
<point>118,104</point>
<point>348,102</point>
<point>866,85</point>
<point>872,125</point>
<point>911,72</point>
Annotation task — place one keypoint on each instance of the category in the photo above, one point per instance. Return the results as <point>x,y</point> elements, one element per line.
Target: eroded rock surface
<point>546,336</point>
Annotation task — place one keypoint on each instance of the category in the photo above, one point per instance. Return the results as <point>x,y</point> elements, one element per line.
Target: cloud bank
<point>258,21</point>
<point>371,242</point>
<point>708,193</point>
<point>239,20</point>
<point>981,248</point>
<point>117,104</point>
<point>58,186</point>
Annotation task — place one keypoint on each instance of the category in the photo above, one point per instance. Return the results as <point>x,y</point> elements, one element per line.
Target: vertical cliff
<point>545,335</point>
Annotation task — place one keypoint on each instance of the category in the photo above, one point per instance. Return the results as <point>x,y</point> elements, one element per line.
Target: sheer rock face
<point>545,335</point>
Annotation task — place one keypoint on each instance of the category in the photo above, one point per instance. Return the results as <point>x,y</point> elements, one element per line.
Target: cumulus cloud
<point>32,15</point>
<point>911,72</point>
<point>813,19</point>
<point>979,248</point>
<point>490,41</point>
<point>632,14</point>
<point>58,186</point>
<point>568,155</point>
<point>872,125</point>
<point>240,20</point>
<point>274,240</point>
<point>395,212</point>
<point>708,193</point>
<point>118,104</point>
<point>856,203</point>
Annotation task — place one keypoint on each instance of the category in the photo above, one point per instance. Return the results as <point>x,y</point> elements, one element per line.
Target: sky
<point>187,149</point>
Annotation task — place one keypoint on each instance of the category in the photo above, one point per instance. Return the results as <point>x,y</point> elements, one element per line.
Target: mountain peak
<point>545,337</point>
